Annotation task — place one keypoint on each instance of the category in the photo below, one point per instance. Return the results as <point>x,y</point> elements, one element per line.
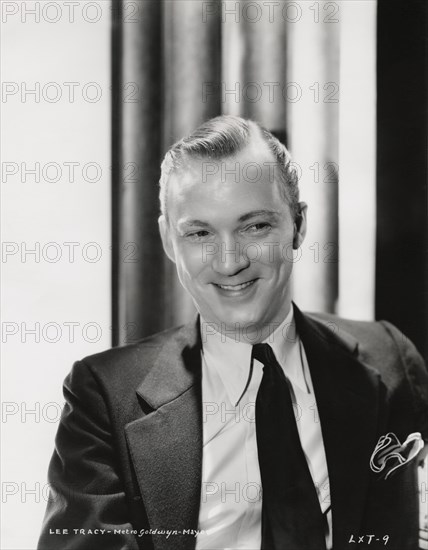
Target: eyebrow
<point>255,213</point>
<point>272,214</point>
<point>191,223</point>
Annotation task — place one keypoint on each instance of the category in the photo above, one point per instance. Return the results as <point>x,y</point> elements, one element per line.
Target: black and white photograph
<point>214,263</point>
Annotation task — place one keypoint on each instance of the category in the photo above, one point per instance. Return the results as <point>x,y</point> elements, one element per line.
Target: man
<point>256,426</point>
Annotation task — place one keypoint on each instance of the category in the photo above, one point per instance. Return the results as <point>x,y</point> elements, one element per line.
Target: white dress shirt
<point>231,500</point>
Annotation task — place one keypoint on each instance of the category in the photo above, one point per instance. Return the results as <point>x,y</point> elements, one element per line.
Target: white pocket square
<point>389,454</point>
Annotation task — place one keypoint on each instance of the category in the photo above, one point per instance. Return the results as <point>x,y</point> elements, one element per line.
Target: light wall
<point>62,291</point>
<point>332,128</point>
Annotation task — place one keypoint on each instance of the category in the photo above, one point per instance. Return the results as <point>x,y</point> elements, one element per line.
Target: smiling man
<point>256,426</point>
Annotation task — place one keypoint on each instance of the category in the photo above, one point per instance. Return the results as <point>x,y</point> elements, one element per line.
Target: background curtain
<point>330,79</point>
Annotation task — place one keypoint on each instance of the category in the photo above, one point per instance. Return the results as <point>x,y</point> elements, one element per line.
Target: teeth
<point>236,287</point>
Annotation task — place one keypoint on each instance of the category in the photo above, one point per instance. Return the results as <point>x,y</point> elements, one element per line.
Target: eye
<point>195,235</point>
<point>258,227</point>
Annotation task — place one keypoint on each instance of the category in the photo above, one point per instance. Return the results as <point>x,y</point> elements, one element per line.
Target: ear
<point>300,226</point>
<point>165,233</point>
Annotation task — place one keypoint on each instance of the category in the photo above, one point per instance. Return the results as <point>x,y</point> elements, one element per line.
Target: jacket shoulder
<point>127,365</point>
<point>376,340</point>
<point>391,354</point>
<point>134,350</point>
<point>363,332</point>
<point>380,344</point>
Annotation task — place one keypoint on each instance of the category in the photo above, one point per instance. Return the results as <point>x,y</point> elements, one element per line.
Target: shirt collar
<point>232,359</point>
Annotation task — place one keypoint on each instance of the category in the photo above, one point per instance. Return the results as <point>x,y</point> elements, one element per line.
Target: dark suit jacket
<point>129,445</point>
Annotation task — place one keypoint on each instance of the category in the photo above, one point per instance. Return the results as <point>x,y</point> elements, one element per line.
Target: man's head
<point>230,221</point>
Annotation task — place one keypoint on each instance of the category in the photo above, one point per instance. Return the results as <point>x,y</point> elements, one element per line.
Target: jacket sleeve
<point>417,377</point>
<point>87,508</point>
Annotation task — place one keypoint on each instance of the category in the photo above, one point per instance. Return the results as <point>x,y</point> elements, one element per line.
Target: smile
<point>237,287</point>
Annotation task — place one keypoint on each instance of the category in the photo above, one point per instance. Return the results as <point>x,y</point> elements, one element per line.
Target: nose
<point>230,258</point>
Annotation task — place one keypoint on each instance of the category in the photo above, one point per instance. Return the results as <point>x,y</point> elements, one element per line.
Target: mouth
<point>235,289</point>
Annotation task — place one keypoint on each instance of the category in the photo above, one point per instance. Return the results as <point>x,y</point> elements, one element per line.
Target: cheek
<point>190,261</point>
<point>277,255</point>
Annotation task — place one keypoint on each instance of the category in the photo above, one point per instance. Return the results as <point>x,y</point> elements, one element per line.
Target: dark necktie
<point>291,514</point>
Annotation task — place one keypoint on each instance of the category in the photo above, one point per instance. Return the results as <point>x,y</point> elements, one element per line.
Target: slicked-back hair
<point>221,138</point>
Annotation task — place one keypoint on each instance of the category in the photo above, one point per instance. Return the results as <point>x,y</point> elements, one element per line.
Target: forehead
<point>225,188</point>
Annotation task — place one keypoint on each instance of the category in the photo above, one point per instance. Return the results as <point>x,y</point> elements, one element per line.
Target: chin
<point>243,319</point>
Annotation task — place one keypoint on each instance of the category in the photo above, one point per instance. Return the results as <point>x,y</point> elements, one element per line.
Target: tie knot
<point>264,353</point>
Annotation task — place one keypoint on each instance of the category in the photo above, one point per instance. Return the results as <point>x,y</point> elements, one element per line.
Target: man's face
<point>231,236</point>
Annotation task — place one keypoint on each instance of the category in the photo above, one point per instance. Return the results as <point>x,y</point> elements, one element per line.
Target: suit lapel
<point>166,444</point>
<point>347,395</point>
